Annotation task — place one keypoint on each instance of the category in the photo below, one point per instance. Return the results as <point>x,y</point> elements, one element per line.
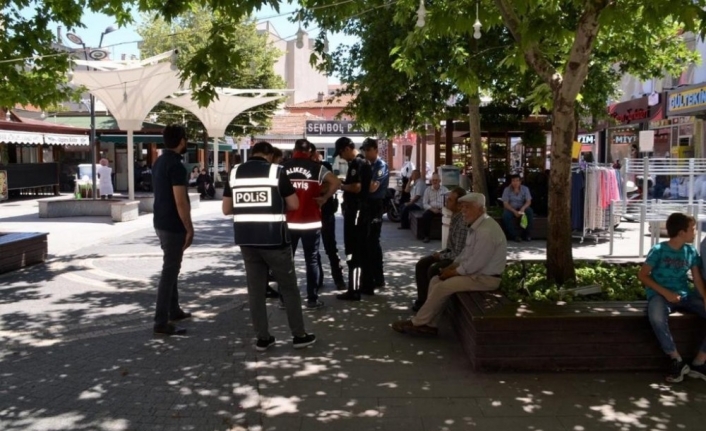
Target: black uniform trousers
<point>328,238</point>
<point>354,234</point>
<point>372,272</point>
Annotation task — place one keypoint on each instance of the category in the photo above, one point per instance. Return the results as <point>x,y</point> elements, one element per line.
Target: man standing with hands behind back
<point>172,222</point>
<point>258,194</point>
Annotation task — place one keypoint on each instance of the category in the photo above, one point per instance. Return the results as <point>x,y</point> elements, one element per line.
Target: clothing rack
<point>593,188</point>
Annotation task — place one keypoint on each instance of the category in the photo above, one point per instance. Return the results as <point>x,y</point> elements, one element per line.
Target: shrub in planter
<point>527,282</point>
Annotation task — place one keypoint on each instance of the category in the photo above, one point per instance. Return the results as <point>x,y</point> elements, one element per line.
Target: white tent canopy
<point>221,111</point>
<point>129,91</point>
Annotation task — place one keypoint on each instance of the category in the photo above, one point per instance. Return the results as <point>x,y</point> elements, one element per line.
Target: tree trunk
<point>477,163</point>
<point>560,263</point>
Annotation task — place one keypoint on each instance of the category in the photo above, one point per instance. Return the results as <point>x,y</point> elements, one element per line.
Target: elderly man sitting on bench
<point>479,267</point>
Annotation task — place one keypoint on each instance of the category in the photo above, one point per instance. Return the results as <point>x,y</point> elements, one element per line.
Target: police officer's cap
<point>342,144</point>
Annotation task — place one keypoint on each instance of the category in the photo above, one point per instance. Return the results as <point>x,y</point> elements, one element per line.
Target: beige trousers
<point>439,292</point>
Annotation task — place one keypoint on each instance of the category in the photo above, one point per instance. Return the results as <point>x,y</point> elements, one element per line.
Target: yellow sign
<point>689,100</point>
<point>3,185</point>
<point>576,150</point>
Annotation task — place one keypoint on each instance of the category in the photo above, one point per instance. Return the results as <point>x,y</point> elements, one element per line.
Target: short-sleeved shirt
<point>358,172</point>
<point>516,200</point>
<point>418,188</point>
<point>670,267</point>
<point>168,171</point>
<point>381,174</point>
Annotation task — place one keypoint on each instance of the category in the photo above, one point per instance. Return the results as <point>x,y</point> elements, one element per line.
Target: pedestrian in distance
<point>172,223</point>
<point>258,195</point>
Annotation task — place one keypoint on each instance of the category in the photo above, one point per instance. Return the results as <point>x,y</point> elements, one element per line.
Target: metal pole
<point>93,143</point>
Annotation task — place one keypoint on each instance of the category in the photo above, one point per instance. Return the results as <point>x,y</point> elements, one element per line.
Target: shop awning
<point>320,140</point>
<point>137,139</point>
<point>57,139</point>
<point>26,138</point>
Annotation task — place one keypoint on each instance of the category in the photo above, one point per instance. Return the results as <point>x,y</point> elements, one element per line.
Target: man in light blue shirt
<point>415,188</point>
<point>516,203</point>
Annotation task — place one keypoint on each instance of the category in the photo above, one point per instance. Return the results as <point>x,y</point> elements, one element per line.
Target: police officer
<point>328,228</point>
<point>355,190</point>
<point>257,195</point>
<point>372,274</point>
<point>314,185</point>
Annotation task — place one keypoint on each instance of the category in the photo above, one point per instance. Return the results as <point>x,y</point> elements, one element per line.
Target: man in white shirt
<point>432,202</point>
<point>479,267</point>
<point>415,188</point>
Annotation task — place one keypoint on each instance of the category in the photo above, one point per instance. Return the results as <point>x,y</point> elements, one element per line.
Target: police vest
<point>306,177</point>
<point>258,208</point>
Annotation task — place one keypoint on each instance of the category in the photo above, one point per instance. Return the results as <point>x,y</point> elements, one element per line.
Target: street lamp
<point>95,54</point>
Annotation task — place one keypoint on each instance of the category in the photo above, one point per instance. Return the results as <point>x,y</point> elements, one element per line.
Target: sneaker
<point>349,296</point>
<point>169,329</point>
<point>677,370</point>
<point>313,305</point>
<point>306,340</point>
<point>698,371</point>
<point>263,345</point>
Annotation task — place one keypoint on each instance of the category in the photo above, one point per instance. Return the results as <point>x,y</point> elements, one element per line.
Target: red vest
<point>306,177</point>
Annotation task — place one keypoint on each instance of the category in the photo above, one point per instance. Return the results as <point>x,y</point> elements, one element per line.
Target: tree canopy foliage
<point>35,70</point>
<point>252,62</point>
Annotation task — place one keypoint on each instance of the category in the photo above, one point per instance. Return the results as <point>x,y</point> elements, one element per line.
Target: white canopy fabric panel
<point>130,94</point>
<point>220,112</point>
<point>28,138</point>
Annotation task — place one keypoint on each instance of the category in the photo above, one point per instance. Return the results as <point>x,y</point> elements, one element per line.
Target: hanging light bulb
<point>300,38</point>
<point>421,14</point>
<point>476,25</point>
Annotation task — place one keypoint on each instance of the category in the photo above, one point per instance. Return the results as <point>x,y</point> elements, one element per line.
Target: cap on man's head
<point>476,198</point>
<point>342,144</point>
<point>369,143</point>
<point>302,145</point>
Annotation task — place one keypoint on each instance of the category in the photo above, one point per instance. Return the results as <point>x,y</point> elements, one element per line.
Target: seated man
<point>665,276</point>
<point>432,201</point>
<point>516,201</point>
<point>479,267</point>
<point>203,182</point>
<point>415,188</point>
<point>429,266</point>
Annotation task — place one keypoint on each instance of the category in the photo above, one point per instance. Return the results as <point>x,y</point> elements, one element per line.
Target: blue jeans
<point>310,243</point>
<point>167,304</point>
<point>658,311</point>
<point>509,222</point>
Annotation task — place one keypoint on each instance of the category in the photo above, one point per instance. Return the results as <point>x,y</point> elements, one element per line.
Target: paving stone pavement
<point>77,351</point>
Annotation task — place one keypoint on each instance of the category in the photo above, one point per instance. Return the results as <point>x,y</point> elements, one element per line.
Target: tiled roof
<point>328,102</point>
<point>290,124</point>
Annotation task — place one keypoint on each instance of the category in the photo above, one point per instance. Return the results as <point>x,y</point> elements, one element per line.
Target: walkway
<point>78,352</point>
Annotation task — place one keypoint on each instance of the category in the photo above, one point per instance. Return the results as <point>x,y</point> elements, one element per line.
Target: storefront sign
<point>332,128</point>
<point>631,111</point>
<point>670,122</point>
<point>55,139</point>
<point>689,99</point>
<point>620,141</point>
<point>3,186</point>
<point>589,139</point>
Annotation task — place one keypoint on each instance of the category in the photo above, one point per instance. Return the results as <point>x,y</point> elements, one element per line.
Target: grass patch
<point>528,282</point>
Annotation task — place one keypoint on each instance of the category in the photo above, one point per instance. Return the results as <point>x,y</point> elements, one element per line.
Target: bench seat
<point>20,249</point>
<point>414,224</point>
<point>497,334</point>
